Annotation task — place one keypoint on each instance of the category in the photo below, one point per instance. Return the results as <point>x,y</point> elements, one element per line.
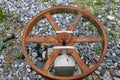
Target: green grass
<point>17,56</point>
<point>5,25</point>
<point>1,13</point>
<point>100,2</point>
<point>97,50</point>
<point>95,11</point>
<point>113,1</point>
<point>112,34</point>
<point>43,1</point>
<point>91,28</point>
<point>53,3</point>
<point>16,19</point>
<point>2,45</point>
<point>10,42</point>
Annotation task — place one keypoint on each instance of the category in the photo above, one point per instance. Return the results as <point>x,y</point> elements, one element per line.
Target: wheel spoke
<point>41,39</point>
<point>79,61</point>
<point>51,59</point>
<point>72,26</point>
<point>52,22</point>
<point>87,39</point>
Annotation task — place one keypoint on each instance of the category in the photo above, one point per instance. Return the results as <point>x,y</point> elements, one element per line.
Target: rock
<point>107,76</point>
<point>97,72</point>
<point>2,57</point>
<point>110,17</point>
<point>34,54</point>
<point>33,45</point>
<point>70,1</point>
<point>117,73</point>
<point>113,54</point>
<point>1,27</point>
<point>117,15</point>
<point>102,71</point>
<point>113,74</point>
<point>116,78</point>
<point>115,64</point>
<point>60,2</point>
<point>40,64</point>
<point>28,70</point>
<point>1,70</point>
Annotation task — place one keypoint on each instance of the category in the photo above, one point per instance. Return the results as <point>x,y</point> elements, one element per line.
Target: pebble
<point>113,54</point>
<point>110,17</point>
<point>1,27</point>
<point>28,70</point>
<point>97,72</point>
<point>107,76</point>
<point>116,78</point>
<point>60,2</point>
<point>2,57</point>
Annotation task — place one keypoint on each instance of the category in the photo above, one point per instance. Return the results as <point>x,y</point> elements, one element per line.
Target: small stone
<point>110,17</point>
<point>113,54</point>
<point>34,73</point>
<point>1,70</point>
<point>28,66</point>
<point>115,64</point>
<point>118,73</point>
<point>116,78</point>
<point>28,78</point>
<point>34,54</point>
<point>1,27</point>
<point>33,45</point>
<point>28,70</point>
<point>113,74</point>
<point>99,16</point>
<point>102,71</point>
<point>70,1</point>
<point>2,57</point>
<point>60,2</point>
<point>107,76</point>
<point>97,72</point>
<point>40,64</point>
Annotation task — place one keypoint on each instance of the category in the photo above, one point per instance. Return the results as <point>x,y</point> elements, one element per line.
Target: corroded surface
<point>64,39</point>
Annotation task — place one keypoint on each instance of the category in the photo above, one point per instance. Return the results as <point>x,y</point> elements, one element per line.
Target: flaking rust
<point>64,39</point>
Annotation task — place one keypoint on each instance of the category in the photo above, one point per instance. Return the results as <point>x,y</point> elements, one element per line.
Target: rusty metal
<point>64,39</point>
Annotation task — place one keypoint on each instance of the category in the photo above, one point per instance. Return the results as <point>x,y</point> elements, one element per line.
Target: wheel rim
<point>47,13</point>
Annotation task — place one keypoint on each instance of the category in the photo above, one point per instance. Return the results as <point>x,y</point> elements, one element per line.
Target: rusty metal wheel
<point>64,37</point>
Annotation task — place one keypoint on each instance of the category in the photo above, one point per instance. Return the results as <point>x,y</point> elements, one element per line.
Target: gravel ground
<point>18,12</point>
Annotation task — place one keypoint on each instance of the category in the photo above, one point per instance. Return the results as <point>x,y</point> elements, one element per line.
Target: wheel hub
<point>64,38</point>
